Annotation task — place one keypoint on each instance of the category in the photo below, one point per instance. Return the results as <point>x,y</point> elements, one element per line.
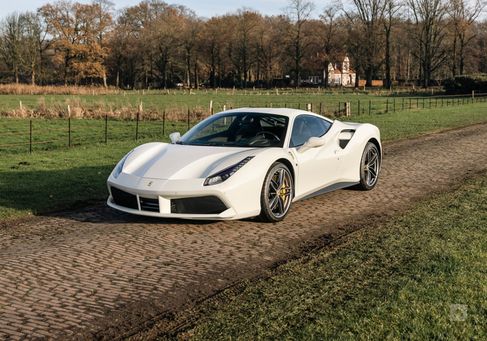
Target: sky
<point>204,8</point>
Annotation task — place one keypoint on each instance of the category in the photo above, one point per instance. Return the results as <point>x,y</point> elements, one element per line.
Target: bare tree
<point>463,15</point>
<point>11,44</point>
<point>299,11</point>
<point>370,15</point>
<point>32,40</point>
<point>429,32</point>
<point>330,43</point>
<point>391,9</point>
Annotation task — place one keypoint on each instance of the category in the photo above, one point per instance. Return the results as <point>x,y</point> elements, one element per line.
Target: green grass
<point>412,123</point>
<point>53,133</point>
<point>48,180</point>
<point>401,280</point>
<point>50,134</point>
<point>182,100</point>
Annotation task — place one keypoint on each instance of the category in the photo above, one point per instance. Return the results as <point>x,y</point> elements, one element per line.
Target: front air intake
<point>122,198</point>
<point>198,205</point>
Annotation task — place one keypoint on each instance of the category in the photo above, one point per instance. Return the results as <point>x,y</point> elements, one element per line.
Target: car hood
<point>174,161</point>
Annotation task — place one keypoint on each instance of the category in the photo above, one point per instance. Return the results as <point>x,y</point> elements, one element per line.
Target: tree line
<point>155,44</point>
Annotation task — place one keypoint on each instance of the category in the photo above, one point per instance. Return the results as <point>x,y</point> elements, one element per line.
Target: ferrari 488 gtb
<point>245,163</point>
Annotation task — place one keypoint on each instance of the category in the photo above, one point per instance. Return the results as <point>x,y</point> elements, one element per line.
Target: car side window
<point>306,126</point>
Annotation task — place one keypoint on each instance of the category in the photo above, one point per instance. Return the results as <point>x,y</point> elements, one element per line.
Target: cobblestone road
<point>75,272</point>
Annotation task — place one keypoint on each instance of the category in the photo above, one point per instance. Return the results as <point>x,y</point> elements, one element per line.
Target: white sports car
<point>245,163</point>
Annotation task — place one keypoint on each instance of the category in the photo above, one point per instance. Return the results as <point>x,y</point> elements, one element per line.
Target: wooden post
<point>387,105</point>
<point>211,107</point>
<point>188,118</point>
<point>106,128</point>
<point>320,108</point>
<point>347,109</point>
<point>393,105</point>
<point>370,106</point>
<point>164,123</point>
<point>358,107</point>
<point>137,126</point>
<point>69,126</point>
<point>30,136</point>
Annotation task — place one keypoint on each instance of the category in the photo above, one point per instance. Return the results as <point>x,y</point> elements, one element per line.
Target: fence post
<point>393,105</point>
<point>387,105</point>
<point>69,126</point>
<point>30,136</point>
<point>106,128</point>
<point>402,106</point>
<point>358,107</point>
<point>137,126</point>
<point>410,103</point>
<point>473,96</point>
<point>188,118</point>
<point>370,106</point>
<point>320,108</point>
<point>423,102</point>
<point>164,123</point>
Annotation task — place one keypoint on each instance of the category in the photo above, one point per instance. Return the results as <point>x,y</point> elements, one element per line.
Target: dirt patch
<point>98,273</point>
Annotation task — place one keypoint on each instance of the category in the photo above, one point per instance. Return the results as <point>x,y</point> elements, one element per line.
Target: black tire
<point>369,167</point>
<point>277,193</point>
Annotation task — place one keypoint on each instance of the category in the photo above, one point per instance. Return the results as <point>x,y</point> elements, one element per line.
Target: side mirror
<point>313,142</point>
<point>175,137</point>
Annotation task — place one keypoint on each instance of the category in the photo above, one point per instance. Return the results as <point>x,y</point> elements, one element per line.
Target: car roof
<point>289,112</point>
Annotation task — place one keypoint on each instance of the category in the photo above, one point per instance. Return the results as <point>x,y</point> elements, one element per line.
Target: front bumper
<point>184,199</point>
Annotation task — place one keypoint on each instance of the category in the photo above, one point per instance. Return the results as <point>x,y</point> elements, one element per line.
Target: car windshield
<point>239,130</point>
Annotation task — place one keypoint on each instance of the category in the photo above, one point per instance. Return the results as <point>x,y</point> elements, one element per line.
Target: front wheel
<point>277,193</point>
<point>369,167</point>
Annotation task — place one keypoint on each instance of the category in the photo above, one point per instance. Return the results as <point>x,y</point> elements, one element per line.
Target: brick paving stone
<point>64,272</point>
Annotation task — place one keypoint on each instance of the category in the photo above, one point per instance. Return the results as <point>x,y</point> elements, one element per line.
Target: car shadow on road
<point>76,193</point>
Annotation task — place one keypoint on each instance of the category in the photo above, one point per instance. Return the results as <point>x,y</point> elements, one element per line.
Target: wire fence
<point>20,135</point>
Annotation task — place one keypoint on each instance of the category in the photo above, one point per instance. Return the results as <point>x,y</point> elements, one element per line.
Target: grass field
<point>421,277</point>
<point>63,178</point>
<point>53,133</point>
<point>182,100</point>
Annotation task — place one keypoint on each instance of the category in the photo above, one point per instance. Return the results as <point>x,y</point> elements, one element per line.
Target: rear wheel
<point>277,193</point>
<point>369,167</point>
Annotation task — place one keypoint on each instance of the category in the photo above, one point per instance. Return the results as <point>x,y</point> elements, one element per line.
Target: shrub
<point>465,84</point>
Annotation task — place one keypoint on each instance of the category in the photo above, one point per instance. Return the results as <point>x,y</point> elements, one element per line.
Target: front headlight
<point>119,167</point>
<point>223,175</point>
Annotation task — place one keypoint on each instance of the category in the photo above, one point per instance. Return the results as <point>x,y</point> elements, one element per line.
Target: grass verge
<point>56,179</point>
<point>421,276</point>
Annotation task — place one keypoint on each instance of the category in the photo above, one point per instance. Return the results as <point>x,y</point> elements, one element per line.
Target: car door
<point>316,167</point>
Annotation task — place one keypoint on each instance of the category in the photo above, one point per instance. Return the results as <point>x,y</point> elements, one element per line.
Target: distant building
<point>341,74</point>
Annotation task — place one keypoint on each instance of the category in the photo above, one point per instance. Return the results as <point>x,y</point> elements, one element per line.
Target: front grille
<point>123,198</point>
<point>147,204</point>
<point>198,205</point>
